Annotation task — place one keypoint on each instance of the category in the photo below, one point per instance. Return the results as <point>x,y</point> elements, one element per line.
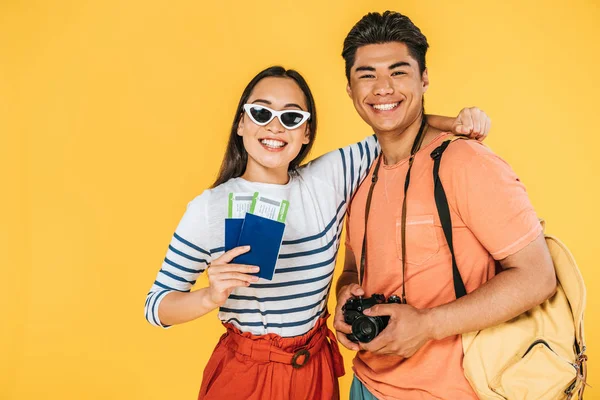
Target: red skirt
<point>269,367</point>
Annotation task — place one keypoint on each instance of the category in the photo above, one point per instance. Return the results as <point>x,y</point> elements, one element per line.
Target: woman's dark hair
<point>376,28</point>
<point>236,157</point>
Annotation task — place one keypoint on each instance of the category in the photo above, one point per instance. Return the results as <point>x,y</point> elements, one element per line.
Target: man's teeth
<point>385,107</point>
<point>273,143</point>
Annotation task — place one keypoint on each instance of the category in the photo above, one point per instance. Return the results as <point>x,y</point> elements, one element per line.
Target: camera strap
<point>363,257</point>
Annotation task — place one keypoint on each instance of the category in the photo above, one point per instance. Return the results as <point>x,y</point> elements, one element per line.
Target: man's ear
<point>425,79</point>
<point>349,90</point>
<point>240,126</point>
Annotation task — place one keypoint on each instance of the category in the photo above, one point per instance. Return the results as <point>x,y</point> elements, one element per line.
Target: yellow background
<point>114,114</point>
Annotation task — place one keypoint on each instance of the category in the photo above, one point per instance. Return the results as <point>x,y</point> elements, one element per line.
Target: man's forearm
<point>508,294</point>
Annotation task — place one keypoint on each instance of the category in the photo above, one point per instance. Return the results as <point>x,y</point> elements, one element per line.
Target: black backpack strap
<point>441,203</point>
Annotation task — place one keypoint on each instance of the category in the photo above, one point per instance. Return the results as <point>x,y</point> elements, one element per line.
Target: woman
<point>277,343</point>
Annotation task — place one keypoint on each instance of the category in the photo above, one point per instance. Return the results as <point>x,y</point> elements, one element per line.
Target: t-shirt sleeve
<point>187,257</point>
<point>344,169</point>
<point>492,201</point>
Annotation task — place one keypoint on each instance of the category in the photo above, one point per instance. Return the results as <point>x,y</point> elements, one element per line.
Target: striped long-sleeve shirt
<point>291,302</point>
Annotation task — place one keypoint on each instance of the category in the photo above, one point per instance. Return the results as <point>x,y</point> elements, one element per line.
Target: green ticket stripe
<point>283,210</point>
<point>230,206</point>
<point>254,200</point>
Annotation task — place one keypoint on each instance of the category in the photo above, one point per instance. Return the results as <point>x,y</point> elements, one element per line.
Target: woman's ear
<point>240,127</point>
<point>306,139</point>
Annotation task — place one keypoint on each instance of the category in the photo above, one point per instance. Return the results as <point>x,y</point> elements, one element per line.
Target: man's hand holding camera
<point>386,327</point>
<point>341,327</point>
<point>407,331</point>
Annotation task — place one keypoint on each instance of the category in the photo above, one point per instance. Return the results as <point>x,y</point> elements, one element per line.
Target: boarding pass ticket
<point>269,207</point>
<point>257,204</point>
<point>239,204</point>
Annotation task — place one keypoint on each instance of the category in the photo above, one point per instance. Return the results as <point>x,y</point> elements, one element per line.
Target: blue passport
<point>233,228</point>
<point>264,236</point>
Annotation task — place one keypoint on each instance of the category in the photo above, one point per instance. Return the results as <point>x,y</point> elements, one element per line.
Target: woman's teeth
<point>385,107</point>
<point>275,144</point>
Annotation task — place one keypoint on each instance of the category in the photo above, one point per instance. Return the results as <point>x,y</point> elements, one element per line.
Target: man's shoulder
<point>467,160</point>
<point>462,149</point>
<point>468,153</point>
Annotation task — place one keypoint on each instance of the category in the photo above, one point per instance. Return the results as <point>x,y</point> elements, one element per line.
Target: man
<point>419,354</point>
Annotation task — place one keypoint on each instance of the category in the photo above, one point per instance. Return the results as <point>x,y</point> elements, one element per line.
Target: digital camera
<point>366,328</point>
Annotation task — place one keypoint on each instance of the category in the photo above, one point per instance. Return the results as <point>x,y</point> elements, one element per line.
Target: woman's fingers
<point>219,269</point>
<point>234,275</point>
<point>228,256</point>
<point>226,286</point>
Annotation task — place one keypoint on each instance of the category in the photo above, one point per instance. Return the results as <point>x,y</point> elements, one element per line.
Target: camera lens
<point>366,328</point>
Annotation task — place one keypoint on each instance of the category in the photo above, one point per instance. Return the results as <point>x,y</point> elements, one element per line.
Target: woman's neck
<point>258,173</point>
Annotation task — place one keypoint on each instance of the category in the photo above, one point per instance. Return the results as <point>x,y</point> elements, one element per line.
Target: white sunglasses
<point>261,115</point>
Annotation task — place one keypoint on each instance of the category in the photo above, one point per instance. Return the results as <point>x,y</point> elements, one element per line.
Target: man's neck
<point>396,146</point>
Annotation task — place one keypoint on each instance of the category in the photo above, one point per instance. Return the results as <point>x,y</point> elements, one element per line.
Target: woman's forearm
<point>180,307</point>
<point>440,122</point>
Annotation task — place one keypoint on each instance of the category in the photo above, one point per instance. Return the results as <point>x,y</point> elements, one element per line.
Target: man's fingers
<point>381,309</point>
<point>341,326</point>
<point>356,290</point>
<point>348,291</point>
<point>376,345</point>
<point>231,254</point>
<point>347,342</point>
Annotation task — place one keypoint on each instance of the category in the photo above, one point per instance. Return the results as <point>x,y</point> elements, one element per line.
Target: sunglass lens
<point>261,115</point>
<point>291,119</point>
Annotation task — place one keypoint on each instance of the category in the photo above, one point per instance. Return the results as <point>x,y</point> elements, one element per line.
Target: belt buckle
<point>298,354</point>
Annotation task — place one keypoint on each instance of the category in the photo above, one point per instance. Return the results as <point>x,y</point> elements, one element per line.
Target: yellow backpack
<point>537,355</point>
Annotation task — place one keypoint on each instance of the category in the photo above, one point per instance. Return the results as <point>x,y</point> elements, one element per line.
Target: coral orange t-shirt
<point>492,218</point>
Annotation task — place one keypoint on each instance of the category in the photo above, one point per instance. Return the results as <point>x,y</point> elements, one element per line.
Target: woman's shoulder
<point>209,195</point>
